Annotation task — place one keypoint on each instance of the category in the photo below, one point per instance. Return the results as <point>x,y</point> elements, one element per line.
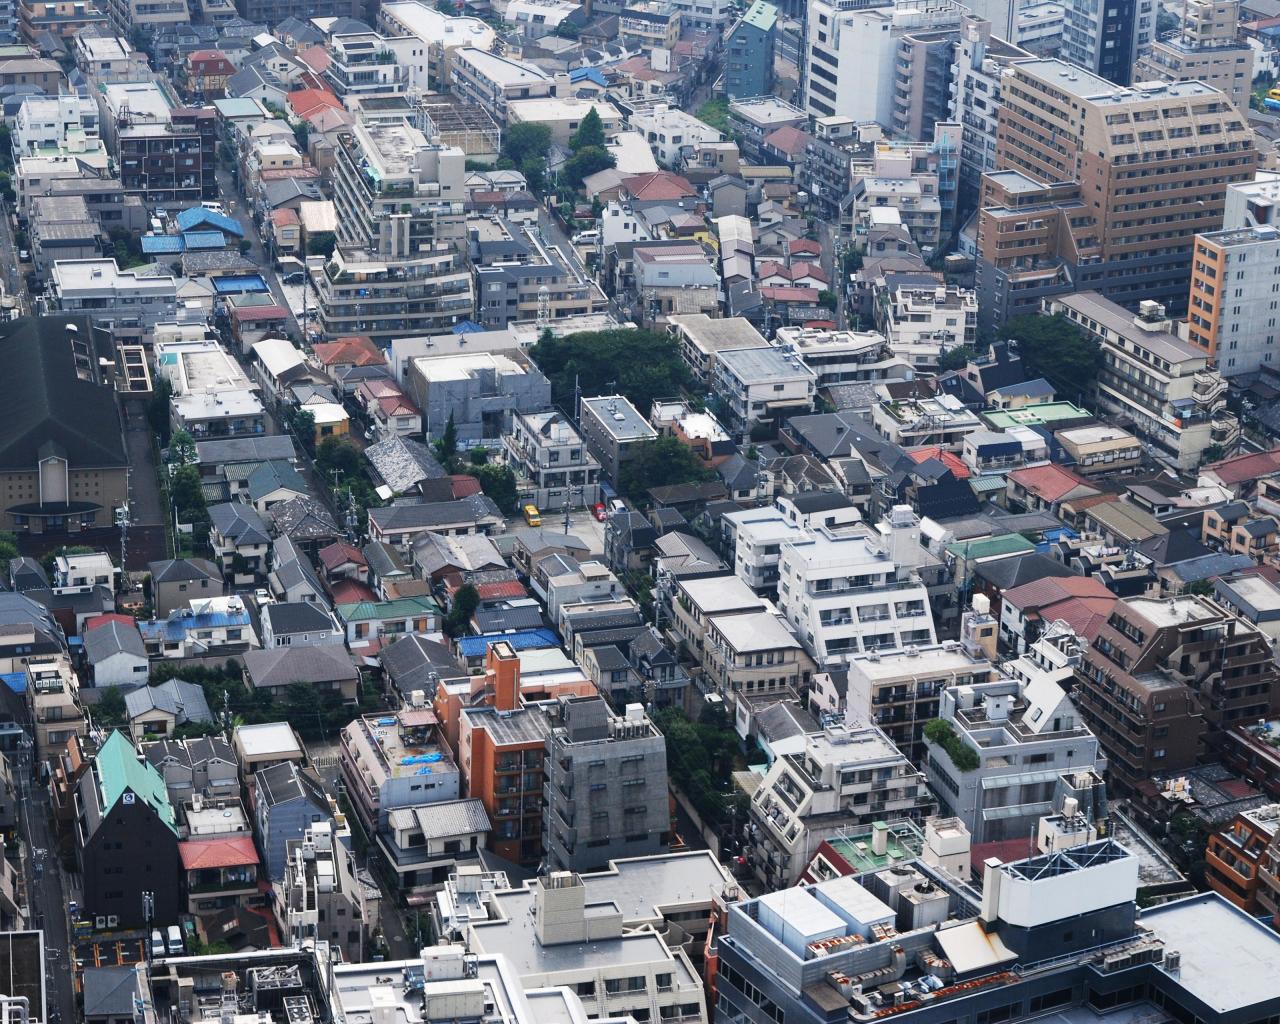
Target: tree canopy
<point>585,162</point>
<point>498,482</point>
<point>590,132</point>
<point>465,603</point>
<point>662,462</point>
<point>525,147</point>
<point>641,365</point>
<point>956,358</point>
<point>1052,347</point>
<point>182,448</point>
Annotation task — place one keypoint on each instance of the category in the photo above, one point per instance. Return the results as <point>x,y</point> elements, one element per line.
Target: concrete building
<point>399,266</point>
<point>491,81</point>
<point>754,654</point>
<point>672,133</point>
<point>922,318</point>
<point>53,698</point>
<point>1164,678</point>
<point>553,465</point>
<point>1165,388</point>
<point>606,786</point>
<point>748,55</point>
<point>128,303</point>
<point>1106,39</point>
<point>852,54</point>
<point>521,277</point>
<point>844,594</point>
<point>613,430</point>
<point>1229,312</point>
<point>762,385</point>
<point>1206,48</point>
<point>321,898</point>
<point>1067,181</point>
<point>1023,733</point>
<point>481,390</point>
<point>842,777</point>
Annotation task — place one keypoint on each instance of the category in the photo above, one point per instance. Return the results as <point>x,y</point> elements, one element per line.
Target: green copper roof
<point>120,772</point>
<point>761,15</point>
<point>401,608</point>
<point>986,547</point>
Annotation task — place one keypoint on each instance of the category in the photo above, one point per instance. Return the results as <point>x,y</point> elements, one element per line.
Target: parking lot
<point>582,524</point>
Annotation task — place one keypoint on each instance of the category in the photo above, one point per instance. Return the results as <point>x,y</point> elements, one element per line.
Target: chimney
<point>990,893</point>
<point>504,670</point>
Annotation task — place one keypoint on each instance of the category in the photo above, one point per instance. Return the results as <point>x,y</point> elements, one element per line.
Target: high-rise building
<point>1207,48</point>
<point>853,51</point>
<point>1233,305</point>
<point>399,267</point>
<point>1102,188</point>
<point>1106,37</point>
<point>748,55</point>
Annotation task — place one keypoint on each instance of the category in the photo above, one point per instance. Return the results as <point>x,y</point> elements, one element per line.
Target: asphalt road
<point>49,891</point>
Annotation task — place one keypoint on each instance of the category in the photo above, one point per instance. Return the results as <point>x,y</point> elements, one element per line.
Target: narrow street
<point>49,891</point>
<point>13,283</point>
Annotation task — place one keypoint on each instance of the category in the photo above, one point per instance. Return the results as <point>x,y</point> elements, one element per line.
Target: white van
<point>157,943</point>
<point>173,938</point>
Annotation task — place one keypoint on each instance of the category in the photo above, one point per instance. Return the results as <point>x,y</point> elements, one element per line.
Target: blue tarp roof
<point>467,327</point>
<point>16,681</point>
<point>523,640</point>
<point>198,216</point>
<point>162,245</point>
<point>240,284</point>
<point>178,626</point>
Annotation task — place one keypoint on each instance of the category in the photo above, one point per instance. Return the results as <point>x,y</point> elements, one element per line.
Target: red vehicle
<point>599,512</point>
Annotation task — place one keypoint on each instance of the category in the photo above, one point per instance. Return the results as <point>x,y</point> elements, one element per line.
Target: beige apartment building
<point>1207,48</point>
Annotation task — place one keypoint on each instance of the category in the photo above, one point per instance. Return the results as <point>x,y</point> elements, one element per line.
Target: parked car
<point>532,516</point>
<point>173,939</point>
<point>598,510</point>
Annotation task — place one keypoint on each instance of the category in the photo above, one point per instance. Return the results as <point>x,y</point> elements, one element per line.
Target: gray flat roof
<point>620,418</point>
<point>761,364</point>
<point>1235,970</point>
<point>642,885</point>
<point>1118,319</point>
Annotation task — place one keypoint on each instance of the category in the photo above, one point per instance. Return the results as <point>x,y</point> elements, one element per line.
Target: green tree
<point>465,603</point>
<point>534,169</point>
<point>1053,347</point>
<point>338,453</point>
<point>321,243</point>
<point>188,495</point>
<point>499,483</point>
<point>182,449</point>
<point>302,134</point>
<point>302,424</point>
<point>478,455</point>
<point>158,409</point>
<point>525,140</point>
<point>447,445</point>
<point>1214,453</point>
<point>590,132</point>
<point>568,30</point>
<point>715,113</point>
<point>641,365</point>
<point>8,548</point>
<point>956,358</point>
<point>940,732</point>
<point>586,162</point>
<point>829,299</point>
<point>662,462</point>
<point>110,707</point>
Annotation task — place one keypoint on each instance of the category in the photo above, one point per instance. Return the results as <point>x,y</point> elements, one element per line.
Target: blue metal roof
<point>588,74</point>
<point>204,239</point>
<point>240,284</point>
<point>176,627</point>
<point>523,640</point>
<point>466,327</point>
<point>198,216</point>
<point>163,245</point>
<point>16,681</point>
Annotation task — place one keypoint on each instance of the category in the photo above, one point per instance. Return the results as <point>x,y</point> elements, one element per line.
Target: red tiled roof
<point>210,62</point>
<point>338,553</point>
<point>102,620</point>
<point>396,405</point>
<point>285,217</point>
<point>252,314</point>
<point>1050,482</point>
<point>316,58</point>
<point>1045,592</point>
<point>351,592</point>
<point>217,853</point>
<point>1245,467</point>
<point>464,486</point>
<point>658,185</point>
<point>353,350</point>
<point>504,590</point>
<point>305,102</point>
<point>1086,615</point>
<point>787,139</point>
<point>805,245</point>
<point>951,460</point>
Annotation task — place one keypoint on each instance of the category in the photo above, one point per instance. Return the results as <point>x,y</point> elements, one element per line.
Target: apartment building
<point>520,277</point>
<point>983,55</point>
<point>606,786</point>
<point>843,778</point>
<point>171,163</point>
<point>321,897</point>
<point>756,535</point>
<point>492,81</point>
<point>53,697</point>
<point>943,421</point>
<point>1106,39</point>
<point>852,54</point>
<point>1240,863</point>
<point>922,319</point>
<point>129,303</point>
<point>553,466</point>
<point>995,761</point>
<point>399,267</point>
<point>754,654</point>
<point>898,691</point>
<point>672,133</point>
<point>1164,387</point>
<point>748,55</point>
<point>1163,678</point>
<point>1233,300</point>
<point>696,601</point>
<point>843,357</point>
<point>762,385</point>
<point>366,64</point>
<point>1100,175</point>
<point>844,594</point>
<point>613,430</point>
<point>1206,48</point>
<point>502,748</point>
